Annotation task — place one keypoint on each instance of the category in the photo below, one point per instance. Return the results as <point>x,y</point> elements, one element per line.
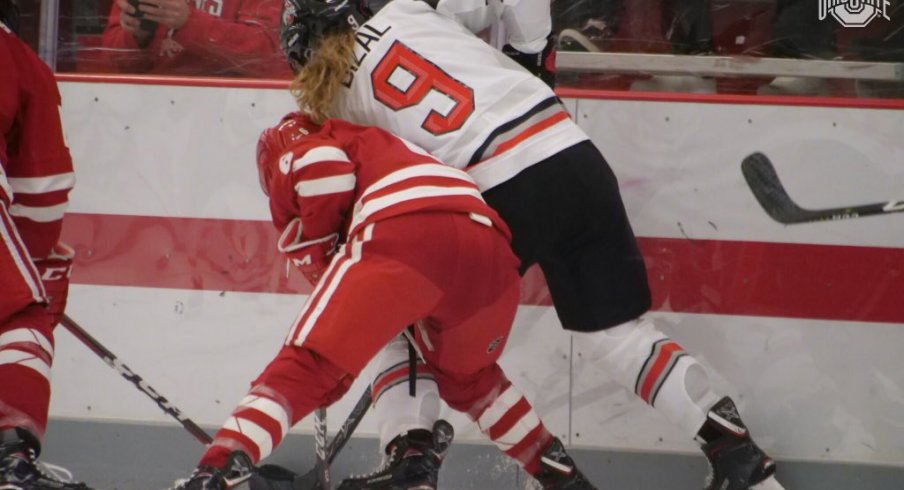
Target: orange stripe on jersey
<point>530,131</point>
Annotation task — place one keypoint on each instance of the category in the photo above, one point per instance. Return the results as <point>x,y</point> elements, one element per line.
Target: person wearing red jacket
<point>36,176</point>
<point>391,237</point>
<point>232,38</point>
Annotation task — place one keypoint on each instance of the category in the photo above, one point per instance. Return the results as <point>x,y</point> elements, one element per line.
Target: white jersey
<point>525,24</point>
<point>427,78</point>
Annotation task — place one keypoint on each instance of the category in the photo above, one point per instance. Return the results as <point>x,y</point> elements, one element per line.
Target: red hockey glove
<point>55,270</point>
<point>542,64</point>
<point>311,257</point>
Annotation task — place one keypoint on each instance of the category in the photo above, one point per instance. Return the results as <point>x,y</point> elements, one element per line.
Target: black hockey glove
<point>542,64</point>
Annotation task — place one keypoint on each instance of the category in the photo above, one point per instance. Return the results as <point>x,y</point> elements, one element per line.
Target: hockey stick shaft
<point>763,180</point>
<point>351,423</point>
<point>114,362</point>
<point>312,479</point>
<point>323,464</point>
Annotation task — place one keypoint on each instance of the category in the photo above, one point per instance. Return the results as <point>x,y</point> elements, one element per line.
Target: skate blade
<point>768,484</point>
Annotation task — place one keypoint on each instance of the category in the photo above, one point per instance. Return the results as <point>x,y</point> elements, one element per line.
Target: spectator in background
<point>590,25</point>
<point>35,179</point>
<point>797,32</point>
<point>231,38</point>
<point>586,25</point>
<point>688,26</point>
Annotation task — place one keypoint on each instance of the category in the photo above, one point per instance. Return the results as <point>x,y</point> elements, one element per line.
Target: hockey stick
<point>141,384</point>
<point>312,479</point>
<point>322,465</point>
<point>772,196</point>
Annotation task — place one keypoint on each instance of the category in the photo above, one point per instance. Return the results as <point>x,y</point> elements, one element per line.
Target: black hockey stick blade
<point>768,190</point>
<point>763,181</point>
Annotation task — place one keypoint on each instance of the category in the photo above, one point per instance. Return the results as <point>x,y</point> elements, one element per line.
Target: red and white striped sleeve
<point>316,183</point>
<point>38,168</point>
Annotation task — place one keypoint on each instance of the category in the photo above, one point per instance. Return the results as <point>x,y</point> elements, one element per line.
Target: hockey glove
<point>542,64</point>
<point>311,257</point>
<point>55,271</point>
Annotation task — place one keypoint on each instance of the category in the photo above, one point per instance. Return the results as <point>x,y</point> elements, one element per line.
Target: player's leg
<point>26,357</point>
<point>412,437</point>
<point>462,352</point>
<point>461,342</point>
<point>363,300</point>
<point>410,419</point>
<point>584,243</point>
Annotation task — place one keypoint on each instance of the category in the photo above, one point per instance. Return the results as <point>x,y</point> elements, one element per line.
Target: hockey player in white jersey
<point>417,69</point>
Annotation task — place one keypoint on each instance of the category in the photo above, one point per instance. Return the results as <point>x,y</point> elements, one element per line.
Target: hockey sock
<point>511,423</point>
<point>655,368</point>
<point>396,410</point>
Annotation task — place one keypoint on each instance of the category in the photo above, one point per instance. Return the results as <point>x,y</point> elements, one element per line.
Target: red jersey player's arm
<point>311,196</point>
<point>39,167</point>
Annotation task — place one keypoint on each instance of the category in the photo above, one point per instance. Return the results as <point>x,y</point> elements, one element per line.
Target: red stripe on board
<point>829,282</point>
<point>176,81</point>
<point>179,253</point>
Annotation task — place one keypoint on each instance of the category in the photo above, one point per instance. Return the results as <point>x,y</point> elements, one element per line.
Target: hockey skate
<point>19,469</point>
<point>736,463</point>
<point>412,462</point>
<point>236,476</point>
<point>559,471</point>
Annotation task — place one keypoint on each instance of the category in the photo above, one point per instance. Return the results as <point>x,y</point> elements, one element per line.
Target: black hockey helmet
<point>9,14</point>
<point>305,22</point>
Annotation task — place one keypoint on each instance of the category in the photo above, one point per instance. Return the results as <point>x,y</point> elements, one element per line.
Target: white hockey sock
<point>655,368</point>
<point>396,410</point>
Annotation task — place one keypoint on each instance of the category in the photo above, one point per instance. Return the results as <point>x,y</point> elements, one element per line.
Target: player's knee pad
<point>655,368</point>
<point>397,411</point>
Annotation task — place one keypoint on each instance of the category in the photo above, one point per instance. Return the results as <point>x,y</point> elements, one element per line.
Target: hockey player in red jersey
<point>390,237</point>
<point>414,69</point>
<point>35,179</point>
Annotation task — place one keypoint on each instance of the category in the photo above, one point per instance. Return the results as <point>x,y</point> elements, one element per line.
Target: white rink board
<point>810,390</point>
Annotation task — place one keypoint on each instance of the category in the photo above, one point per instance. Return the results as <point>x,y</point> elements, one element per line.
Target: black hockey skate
<point>236,476</point>
<point>19,469</point>
<point>736,463</point>
<point>412,463</point>
<point>559,471</point>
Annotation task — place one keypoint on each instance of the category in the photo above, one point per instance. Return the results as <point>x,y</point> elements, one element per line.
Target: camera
<point>145,24</point>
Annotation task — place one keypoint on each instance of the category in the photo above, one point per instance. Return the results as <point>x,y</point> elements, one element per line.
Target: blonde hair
<point>317,84</point>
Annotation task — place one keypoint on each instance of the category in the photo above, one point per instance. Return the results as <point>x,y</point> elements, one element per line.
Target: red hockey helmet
<point>273,143</point>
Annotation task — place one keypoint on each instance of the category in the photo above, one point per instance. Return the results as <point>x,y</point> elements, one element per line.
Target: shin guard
<point>655,368</point>
<point>398,411</point>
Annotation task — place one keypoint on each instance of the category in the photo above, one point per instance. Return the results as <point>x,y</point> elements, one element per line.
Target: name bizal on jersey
<point>365,36</point>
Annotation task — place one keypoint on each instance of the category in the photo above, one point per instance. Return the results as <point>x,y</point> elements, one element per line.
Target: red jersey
<point>345,177</point>
<point>35,166</point>
<point>220,38</point>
